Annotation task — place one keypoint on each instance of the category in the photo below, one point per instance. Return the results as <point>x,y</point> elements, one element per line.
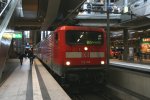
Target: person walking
<point>21,55</point>
<point>31,57</point>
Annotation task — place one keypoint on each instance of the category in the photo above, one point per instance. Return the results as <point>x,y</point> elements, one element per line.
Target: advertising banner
<point>145,45</point>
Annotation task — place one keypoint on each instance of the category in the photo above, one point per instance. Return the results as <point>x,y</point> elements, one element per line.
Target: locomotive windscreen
<point>84,37</point>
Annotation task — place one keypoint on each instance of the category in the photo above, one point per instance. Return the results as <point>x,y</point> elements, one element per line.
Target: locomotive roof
<point>79,28</point>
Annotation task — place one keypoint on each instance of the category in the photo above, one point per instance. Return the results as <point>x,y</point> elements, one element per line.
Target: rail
<point>5,37</point>
<point>6,15</point>
<point>5,6</point>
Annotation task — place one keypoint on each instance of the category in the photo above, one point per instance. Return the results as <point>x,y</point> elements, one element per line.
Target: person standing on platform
<point>139,56</point>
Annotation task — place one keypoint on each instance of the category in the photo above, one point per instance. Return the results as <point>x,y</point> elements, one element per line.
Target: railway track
<point>86,92</point>
<point>92,97</point>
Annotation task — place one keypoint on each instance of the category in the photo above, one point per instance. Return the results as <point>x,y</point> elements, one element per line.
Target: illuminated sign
<point>17,35</point>
<point>145,45</point>
<point>93,42</point>
<point>146,39</point>
<point>7,36</point>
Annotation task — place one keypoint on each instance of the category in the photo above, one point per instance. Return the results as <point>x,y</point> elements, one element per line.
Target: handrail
<point>5,21</point>
<point>5,38</point>
<point>5,7</point>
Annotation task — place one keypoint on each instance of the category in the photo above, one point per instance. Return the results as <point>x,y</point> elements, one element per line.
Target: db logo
<point>85,54</point>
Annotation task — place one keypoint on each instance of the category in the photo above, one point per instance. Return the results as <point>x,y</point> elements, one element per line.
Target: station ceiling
<point>40,14</point>
<point>139,23</point>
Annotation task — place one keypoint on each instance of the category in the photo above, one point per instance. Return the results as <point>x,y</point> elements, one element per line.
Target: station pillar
<point>125,43</point>
<point>36,37</point>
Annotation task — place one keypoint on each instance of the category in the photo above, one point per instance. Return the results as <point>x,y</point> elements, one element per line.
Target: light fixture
<point>85,48</point>
<point>102,62</point>
<point>67,63</point>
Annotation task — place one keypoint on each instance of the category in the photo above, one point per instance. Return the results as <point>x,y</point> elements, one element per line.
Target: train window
<point>84,37</point>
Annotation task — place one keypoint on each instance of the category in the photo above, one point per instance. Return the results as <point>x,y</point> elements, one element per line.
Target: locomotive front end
<point>85,54</point>
<point>85,49</point>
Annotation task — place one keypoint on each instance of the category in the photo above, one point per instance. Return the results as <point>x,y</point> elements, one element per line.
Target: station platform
<point>143,65</point>
<point>142,61</point>
<point>31,82</point>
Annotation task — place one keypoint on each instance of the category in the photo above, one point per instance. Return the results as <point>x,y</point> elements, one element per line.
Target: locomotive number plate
<point>85,54</point>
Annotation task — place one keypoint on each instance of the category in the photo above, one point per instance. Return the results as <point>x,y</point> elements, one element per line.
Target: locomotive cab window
<point>84,37</point>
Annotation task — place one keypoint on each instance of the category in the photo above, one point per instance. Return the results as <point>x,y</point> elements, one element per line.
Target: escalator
<point>5,35</point>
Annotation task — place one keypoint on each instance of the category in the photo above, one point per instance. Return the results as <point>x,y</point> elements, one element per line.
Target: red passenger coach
<point>71,50</point>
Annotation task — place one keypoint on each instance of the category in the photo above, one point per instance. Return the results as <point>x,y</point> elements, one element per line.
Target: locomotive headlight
<point>67,63</point>
<point>102,62</point>
<point>85,48</point>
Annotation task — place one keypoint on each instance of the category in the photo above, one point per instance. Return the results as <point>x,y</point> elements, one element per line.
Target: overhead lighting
<point>140,31</point>
<point>148,30</point>
<point>78,40</point>
<point>126,9</point>
<point>81,36</point>
<point>9,30</point>
<point>132,32</point>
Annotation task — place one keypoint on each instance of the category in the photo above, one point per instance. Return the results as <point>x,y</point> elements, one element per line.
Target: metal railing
<point>3,6</point>
<point>6,15</point>
<point>5,37</point>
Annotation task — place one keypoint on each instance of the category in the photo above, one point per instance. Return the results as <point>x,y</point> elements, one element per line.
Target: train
<point>141,8</point>
<point>74,52</point>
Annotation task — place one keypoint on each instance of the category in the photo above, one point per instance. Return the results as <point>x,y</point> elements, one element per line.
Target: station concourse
<point>24,24</point>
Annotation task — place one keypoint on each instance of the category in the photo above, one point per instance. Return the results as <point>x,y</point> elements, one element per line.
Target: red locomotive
<point>74,50</point>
